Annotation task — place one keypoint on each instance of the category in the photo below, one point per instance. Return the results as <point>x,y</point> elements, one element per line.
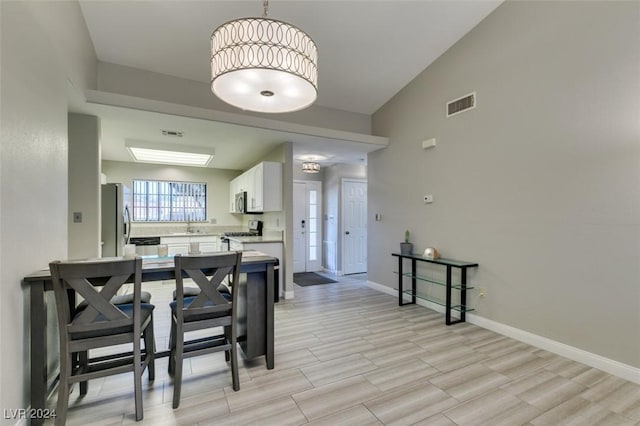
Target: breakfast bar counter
<point>258,271</point>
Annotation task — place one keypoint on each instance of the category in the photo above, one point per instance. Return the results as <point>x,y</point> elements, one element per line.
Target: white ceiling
<point>235,147</point>
<point>368,51</point>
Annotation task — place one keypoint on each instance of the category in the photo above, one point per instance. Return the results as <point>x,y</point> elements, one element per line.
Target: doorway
<point>307,226</point>
<point>354,226</point>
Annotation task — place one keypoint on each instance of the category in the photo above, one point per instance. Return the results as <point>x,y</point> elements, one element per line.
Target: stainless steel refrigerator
<point>116,219</point>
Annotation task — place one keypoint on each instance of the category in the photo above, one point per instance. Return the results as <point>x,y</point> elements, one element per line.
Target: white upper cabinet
<point>265,194</point>
<point>233,190</point>
<point>263,184</point>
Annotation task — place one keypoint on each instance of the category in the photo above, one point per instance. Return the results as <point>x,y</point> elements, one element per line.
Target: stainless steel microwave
<point>241,202</point>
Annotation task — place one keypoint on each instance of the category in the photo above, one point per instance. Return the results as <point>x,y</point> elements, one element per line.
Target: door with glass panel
<point>307,226</point>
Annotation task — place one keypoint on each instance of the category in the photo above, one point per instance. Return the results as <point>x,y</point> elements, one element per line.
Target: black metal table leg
<point>413,281</point>
<point>400,302</point>
<point>448,300</point>
<point>463,294</point>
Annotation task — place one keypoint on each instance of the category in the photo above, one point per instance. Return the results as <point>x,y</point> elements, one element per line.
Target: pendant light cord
<point>265,5</point>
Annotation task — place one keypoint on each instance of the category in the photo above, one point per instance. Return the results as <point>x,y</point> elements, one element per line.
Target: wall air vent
<point>172,133</point>
<point>462,104</point>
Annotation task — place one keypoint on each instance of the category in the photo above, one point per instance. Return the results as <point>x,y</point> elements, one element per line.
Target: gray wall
<point>149,85</point>
<point>44,47</point>
<point>540,184</point>
<point>84,186</point>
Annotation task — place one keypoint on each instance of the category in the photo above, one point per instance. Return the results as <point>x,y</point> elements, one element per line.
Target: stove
<point>255,230</point>
<point>239,234</point>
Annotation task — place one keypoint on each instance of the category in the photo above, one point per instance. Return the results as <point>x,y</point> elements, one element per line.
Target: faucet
<point>189,230</point>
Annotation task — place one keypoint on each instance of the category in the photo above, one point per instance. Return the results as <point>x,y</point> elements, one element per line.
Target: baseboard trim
<point>288,295</point>
<point>608,365</point>
<point>393,292</point>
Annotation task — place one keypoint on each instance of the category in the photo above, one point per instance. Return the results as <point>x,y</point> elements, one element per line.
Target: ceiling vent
<point>172,133</point>
<point>462,104</point>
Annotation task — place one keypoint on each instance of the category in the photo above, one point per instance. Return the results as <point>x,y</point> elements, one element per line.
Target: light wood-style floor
<point>348,355</point>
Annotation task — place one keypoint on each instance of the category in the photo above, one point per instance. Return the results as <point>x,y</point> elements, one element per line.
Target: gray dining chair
<point>99,323</point>
<point>206,309</point>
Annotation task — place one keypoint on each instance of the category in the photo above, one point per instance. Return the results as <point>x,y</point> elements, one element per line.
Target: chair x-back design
<point>209,308</point>
<point>98,322</point>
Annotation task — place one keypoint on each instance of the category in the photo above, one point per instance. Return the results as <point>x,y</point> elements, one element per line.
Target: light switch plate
<point>428,199</point>
<point>429,143</point>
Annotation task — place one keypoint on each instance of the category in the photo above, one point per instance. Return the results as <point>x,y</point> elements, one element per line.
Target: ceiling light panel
<point>145,155</point>
<point>147,152</point>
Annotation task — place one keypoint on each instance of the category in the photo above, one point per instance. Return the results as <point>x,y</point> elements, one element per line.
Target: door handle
<point>347,232</point>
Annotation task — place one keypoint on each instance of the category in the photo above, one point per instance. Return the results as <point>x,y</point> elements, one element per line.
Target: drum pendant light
<point>263,65</point>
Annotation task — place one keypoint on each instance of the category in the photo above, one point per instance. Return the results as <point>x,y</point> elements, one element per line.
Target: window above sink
<point>169,201</point>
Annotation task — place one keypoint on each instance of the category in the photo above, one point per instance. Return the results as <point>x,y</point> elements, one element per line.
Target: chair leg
<point>137,378</point>
<point>234,366</point>
<point>177,374</point>
<point>63,391</point>
<point>84,362</point>
<point>172,347</point>
<point>149,349</point>
<point>227,335</point>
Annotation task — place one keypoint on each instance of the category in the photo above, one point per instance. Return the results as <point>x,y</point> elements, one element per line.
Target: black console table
<point>462,308</point>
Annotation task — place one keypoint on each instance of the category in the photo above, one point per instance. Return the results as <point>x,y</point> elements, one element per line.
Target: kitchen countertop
<point>190,234</point>
<point>262,239</point>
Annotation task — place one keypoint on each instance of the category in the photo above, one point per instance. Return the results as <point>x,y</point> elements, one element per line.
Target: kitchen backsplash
<point>147,230</point>
<point>271,226</point>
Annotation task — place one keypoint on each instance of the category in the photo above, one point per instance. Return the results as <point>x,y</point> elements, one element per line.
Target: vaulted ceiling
<point>368,50</point>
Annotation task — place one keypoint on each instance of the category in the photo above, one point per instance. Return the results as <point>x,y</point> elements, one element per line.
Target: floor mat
<point>305,279</point>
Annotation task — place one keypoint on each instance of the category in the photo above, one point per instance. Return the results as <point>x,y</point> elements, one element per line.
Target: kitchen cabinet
<point>208,244</point>
<point>266,187</point>
<point>181,244</point>
<point>234,188</point>
<point>235,246</point>
<point>176,245</point>
<point>263,185</point>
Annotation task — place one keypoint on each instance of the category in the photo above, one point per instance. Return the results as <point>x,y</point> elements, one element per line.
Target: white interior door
<point>354,226</point>
<point>307,226</point>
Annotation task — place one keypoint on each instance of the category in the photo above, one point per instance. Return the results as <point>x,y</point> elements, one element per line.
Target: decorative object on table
<point>406,247</point>
<point>264,65</point>
<point>129,250</point>
<point>194,247</point>
<point>430,253</point>
<point>163,250</point>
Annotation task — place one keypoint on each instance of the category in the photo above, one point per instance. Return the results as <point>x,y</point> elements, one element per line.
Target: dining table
<point>259,273</point>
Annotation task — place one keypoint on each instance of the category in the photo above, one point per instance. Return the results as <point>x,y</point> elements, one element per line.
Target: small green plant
<point>406,236</point>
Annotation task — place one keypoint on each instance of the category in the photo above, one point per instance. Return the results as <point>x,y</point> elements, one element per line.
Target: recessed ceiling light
<point>147,152</point>
<point>311,157</point>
